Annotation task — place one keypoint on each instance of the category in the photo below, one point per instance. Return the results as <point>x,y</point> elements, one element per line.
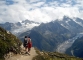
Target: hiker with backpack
<point>29,45</point>
<point>25,44</point>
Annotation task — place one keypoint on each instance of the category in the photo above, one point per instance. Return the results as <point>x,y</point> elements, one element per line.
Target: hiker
<point>29,45</point>
<point>25,44</point>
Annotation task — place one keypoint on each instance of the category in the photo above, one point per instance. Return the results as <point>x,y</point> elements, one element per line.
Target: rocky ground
<point>23,56</point>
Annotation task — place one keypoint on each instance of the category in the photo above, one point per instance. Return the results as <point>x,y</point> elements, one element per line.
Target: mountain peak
<point>28,21</point>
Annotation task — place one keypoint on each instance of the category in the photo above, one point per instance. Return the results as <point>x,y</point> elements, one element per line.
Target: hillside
<point>77,48</point>
<point>35,54</point>
<point>53,56</point>
<point>8,43</point>
<point>74,25</point>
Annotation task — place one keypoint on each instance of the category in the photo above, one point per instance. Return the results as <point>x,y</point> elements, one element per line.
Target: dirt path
<point>24,57</point>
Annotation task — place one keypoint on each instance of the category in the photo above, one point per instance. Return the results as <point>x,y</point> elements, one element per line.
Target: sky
<point>39,10</point>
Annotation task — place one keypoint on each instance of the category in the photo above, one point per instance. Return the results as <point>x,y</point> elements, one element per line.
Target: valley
<point>68,43</point>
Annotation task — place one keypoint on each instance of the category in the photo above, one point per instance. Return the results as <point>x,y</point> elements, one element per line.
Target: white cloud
<point>33,1</point>
<point>38,4</point>
<point>40,11</point>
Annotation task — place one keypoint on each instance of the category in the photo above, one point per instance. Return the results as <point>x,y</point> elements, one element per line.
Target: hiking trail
<point>24,57</point>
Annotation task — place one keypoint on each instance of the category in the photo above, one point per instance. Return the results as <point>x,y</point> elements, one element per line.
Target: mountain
<point>74,25</point>
<point>8,43</point>
<point>79,21</point>
<point>77,48</point>
<point>19,27</point>
<point>68,43</point>
<point>48,35</point>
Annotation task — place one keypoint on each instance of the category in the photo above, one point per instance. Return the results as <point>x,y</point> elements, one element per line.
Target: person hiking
<point>25,44</point>
<point>29,45</point>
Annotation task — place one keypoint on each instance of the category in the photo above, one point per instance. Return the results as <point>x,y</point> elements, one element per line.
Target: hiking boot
<point>26,52</point>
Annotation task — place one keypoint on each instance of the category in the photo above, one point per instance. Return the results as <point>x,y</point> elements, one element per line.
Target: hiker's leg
<point>26,49</point>
<point>29,50</point>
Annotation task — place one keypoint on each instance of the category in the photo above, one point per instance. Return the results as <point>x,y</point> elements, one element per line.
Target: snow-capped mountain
<point>74,24</point>
<point>19,27</point>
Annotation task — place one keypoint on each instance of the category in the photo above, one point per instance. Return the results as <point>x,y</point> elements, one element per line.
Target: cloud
<point>39,11</point>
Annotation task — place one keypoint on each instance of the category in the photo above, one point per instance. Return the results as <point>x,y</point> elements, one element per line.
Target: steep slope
<point>42,55</point>
<point>48,36</point>
<point>77,48</point>
<point>73,25</point>
<point>8,42</point>
<point>67,44</point>
<point>79,21</point>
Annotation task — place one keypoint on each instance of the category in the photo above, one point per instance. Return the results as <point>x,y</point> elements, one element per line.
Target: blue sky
<point>39,10</point>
